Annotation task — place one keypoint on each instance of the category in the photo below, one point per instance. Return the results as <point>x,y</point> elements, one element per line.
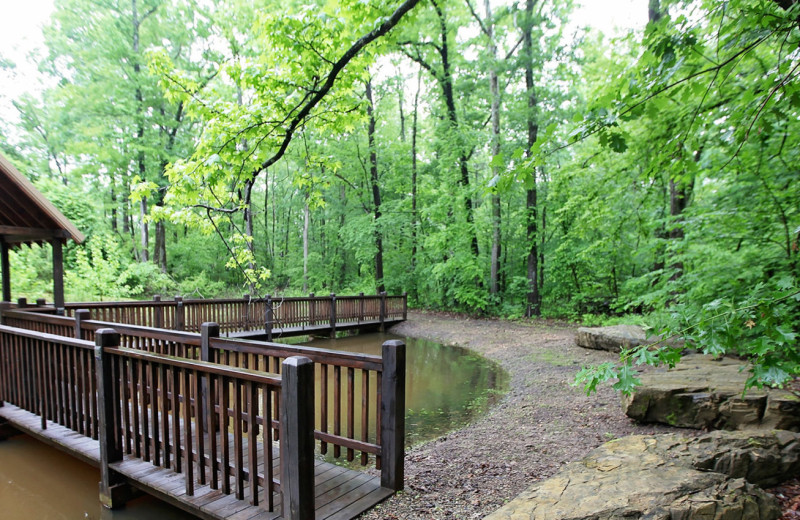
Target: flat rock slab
<point>666,477</point>
<point>704,393</point>
<point>614,338</point>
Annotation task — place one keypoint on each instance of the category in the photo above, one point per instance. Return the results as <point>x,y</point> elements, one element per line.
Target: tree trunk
<point>446,81</point>
<point>495,116</point>
<point>531,202</point>
<point>160,246</point>
<point>414,217</point>
<point>248,228</point>
<point>306,218</point>
<point>376,191</point>
<point>140,156</point>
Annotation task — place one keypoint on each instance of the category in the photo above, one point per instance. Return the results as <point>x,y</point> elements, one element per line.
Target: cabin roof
<point>26,216</point>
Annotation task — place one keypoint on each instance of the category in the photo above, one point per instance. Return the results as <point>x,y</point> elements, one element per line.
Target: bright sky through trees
<point>21,34</point>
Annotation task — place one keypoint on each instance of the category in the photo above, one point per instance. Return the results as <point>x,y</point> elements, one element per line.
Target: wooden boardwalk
<point>340,493</point>
<point>311,330</point>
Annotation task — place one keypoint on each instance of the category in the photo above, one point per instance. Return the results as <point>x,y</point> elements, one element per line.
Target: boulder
<point>666,477</point>
<point>704,393</point>
<point>614,338</point>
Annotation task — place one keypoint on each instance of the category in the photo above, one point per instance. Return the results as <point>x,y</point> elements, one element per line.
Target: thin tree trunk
<point>531,202</point>
<point>376,191</point>
<point>414,217</point>
<point>446,82</point>
<point>495,116</point>
<point>306,218</point>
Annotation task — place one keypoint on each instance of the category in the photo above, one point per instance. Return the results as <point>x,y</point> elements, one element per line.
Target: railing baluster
<point>187,432</point>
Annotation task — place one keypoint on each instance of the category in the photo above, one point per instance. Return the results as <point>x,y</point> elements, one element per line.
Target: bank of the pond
<point>541,424</point>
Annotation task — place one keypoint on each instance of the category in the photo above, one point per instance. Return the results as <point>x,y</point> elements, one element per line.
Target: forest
<point>485,157</point>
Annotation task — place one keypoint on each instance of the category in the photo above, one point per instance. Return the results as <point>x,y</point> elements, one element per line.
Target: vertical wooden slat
<point>199,408</point>
<point>135,409</point>
<point>323,410</point>
<point>238,450</point>
<point>176,417</point>
<point>364,413</point>
<point>350,409</point>
<point>251,395</point>
<point>268,471</point>
<point>187,433</point>
<point>213,386</point>
<point>166,450</point>
<point>152,382</point>
<point>224,394</point>
<point>337,407</point>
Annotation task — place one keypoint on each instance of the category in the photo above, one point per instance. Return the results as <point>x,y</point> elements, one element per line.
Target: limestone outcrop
<point>704,393</point>
<point>666,477</point>
<point>614,338</point>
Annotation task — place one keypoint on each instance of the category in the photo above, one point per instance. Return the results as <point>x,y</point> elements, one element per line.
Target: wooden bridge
<point>255,318</point>
<point>221,427</point>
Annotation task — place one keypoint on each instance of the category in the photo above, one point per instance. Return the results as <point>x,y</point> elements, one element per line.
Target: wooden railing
<point>249,314</point>
<point>50,376</point>
<point>162,405</point>
<point>160,409</point>
<point>352,391</point>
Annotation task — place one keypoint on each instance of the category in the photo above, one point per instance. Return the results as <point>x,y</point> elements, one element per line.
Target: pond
<point>446,388</point>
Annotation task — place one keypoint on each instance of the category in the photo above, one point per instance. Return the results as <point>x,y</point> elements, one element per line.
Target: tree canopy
<point>487,157</point>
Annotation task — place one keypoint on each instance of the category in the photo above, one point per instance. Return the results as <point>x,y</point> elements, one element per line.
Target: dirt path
<point>541,424</point>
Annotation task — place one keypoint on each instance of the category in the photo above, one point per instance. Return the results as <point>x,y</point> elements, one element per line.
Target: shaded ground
<point>542,423</point>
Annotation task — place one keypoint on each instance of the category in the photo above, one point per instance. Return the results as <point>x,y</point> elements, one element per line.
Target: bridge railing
<point>352,391</point>
<point>50,376</point>
<point>172,412</point>
<point>248,314</point>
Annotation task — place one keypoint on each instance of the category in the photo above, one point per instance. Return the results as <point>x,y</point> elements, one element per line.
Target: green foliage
<point>100,273</point>
<point>664,167</point>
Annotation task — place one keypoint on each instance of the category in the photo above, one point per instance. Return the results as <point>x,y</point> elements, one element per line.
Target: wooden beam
<point>6,272</point>
<point>33,233</point>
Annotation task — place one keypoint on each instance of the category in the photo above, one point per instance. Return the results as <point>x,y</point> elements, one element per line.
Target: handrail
<point>235,315</point>
<point>349,395</point>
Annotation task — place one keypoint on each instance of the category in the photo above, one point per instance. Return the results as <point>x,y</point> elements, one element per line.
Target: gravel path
<point>540,425</point>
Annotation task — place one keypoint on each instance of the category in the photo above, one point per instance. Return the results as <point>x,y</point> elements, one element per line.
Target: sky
<point>21,33</point>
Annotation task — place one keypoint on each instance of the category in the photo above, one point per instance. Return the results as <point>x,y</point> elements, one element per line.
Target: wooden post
<point>246,324</point>
<point>81,315</point>
<point>207,331</point>
<point>383,311</point>
<point>297,438</point>
<point>22,303</point>
<point>6,271</point>
<point>4,306</point>
<point>312,310</point>
<point>158,313</point>
<point>361,316</point>
<point>180,314</point>
<point>333,316</point>
<point>269,319</point>
<point>393,414</point>
<point>41,302</point>
<point>58,275</point>
<point>113,489</point>
<point>405,306</point>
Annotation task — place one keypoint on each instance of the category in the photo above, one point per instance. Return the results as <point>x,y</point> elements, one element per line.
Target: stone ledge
<point>704,393</point>
<point>666,477</point>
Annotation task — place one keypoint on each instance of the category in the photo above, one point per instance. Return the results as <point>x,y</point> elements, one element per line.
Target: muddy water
<point>38,482</point>
<point>446,387</point>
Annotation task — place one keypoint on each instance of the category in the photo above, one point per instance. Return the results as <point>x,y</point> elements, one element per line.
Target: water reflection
<point>446,387</point>
<point>40,482</point>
